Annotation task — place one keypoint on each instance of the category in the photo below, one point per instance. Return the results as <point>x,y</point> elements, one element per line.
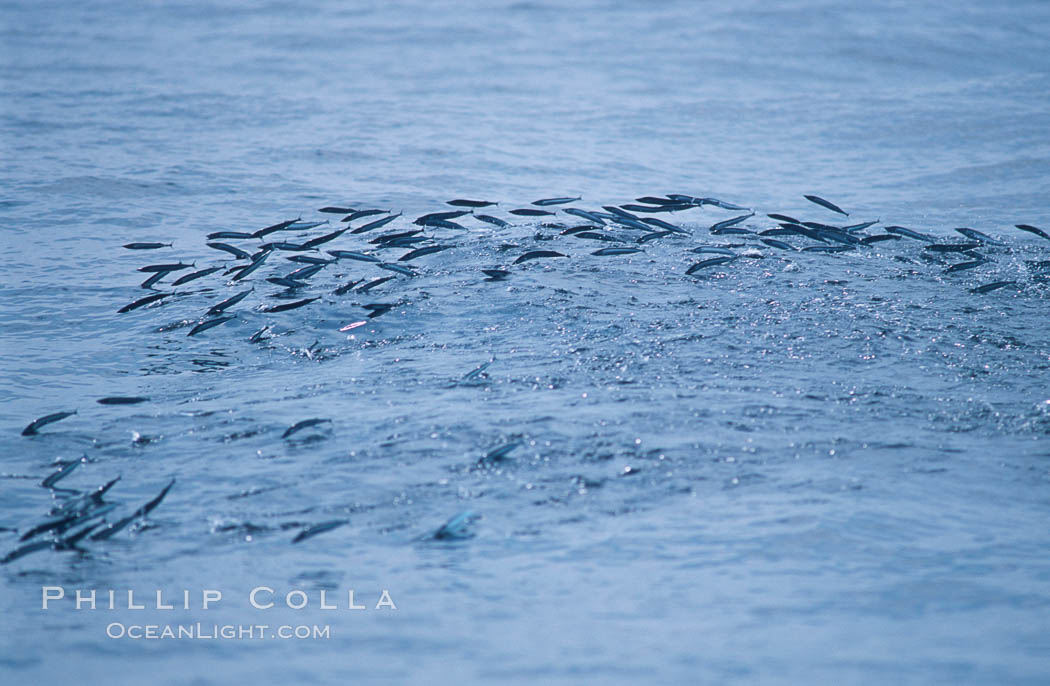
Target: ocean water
<point>796,467</point>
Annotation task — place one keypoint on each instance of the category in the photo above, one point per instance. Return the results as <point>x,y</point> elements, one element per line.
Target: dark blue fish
<point>730,231</point>
<point>321,240</point>
<point>290,306</point>
<point>652,200</point>
<point>146,246</point>
<point>204,326</point>
<point>351,255</point>
<point>143,301</point>
<point>803,231</point>
<point>286,282</point>
<point>338,210</point>
<point>312,531</point>
<point>774,243</point>
<point>783,218</point>
<point>438,216</point>
<point>716,249</point>
<point>256,263</point>
<point>658,208</point>
<point>236,252</point>
<point>420,252</point>
<point>596,236</point>
<point>828,248</point>
<point>537,254</point>
<point>122,400</point>
<point>399,268</point>
<point>666,226</point>
<point>153,279</point>
<point>53,478</point>
<point>220,307</point>
<point>730,222</point>
<point>153,268</point>
<point>989,287</point>
<point>308,259</point>
<point>460,202</point>
<point>495,274</point>
<point>258,335</point>
<point>879,237</point>
<point>654,235</point>
<point>555,201</point>
<point>386,238</point>
<point>718,203</point>
<point>1031,229</point>
<point>195,275</point>
<point>456,528</point>
<point>376,224</point>
<point>711,262</point>
<point>824,203</point>
<point>604,252</point>
<point>498,454</point>
<point>495,221</point>
<point>375,282</point>
<point>276,227</point>
<point>361,214</point>
<point>37,424</point>
<point>306,272</point>
<point>304,424</point>
<point>236,235</point>
<point>346,287</point>
<point>444,224</point>
<point>526,212</point>
<point>854,228</point>
<point>963,266</point>
<point>900,230</point>
<point>951,247</point>
<point>975,235</point>
<point>584,214</point>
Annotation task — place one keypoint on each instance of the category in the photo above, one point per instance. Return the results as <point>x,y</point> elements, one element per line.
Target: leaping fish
<point>825,204</point>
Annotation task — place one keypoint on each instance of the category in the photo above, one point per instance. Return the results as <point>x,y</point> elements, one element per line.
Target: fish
<point>495,274</point>
<point>710,262</point>
<point>378,309</point>
<point>35,425</point>
<point>276,227</point>
<point>718,250</point>
<point>385,238</point>
<point>652,200</point>
<point>460,202</point>
<point>909,233</point>
<point>963,266</point>
<point>839,236</point>
<point>654,235</point>
<point>658,208</point>
<point>235,235</point>
<point>305,272</point>
<point>774,243</point>
<point>536,254</point>
<point>258,335</point>
<point>584,214</point>
<point>290,247</point>
<point>497,454</point>
<point>346,287</point>
<point>828,248</point>
<point>802,230</point>
<point>153,279</point>
<point>302,226</point>
<point>204,326</point>
<point>236,252</point>
<point>730,222</point>
<point>361,214</point>
<point>156,268</point>
<point>403,242</point>
<point>455,528</point>
<point>439,216</point>
<point>495,221</point>
<point>778,232</point>
<point>370,226</point>
<point>854,228</point>
<point>122,400</point>
<point>146,246</point>
<point>989,287</point>
<point>312,531</point>
<point>975,235</point>
<point>286,282</point>
<point>555,201</point>
<point>304,424</point>
<point>420,252</point>
<point>53,478</point>
<point>143,301</point>
<point>604,252</point>
<point>337,210</point>
<point>477,371</point>
<point>630,223</point>
<point>666,226</point>
<point>951,247</point>
<point>717,203</point>
<point>868,240</point>
<point>351,255</point>
<point>186,278</point>
<point>255,264</point>
<point>1031,229</point>
<point>321,240</point>
<point>578,229</point>
<point>141,512</point>
<point>290,306</point>
<point>308,259</point>
<point>526,212</point>
<point>596,236</point>
<point>444,224</point>
<point>824,203</point>
<point>220,307</point>
<point>375,282</point>
<point>783,218</point>
<point>399,268</point>
<point>619,212</point>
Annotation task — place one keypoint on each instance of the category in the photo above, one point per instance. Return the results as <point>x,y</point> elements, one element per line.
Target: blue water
<point>794,468</point>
